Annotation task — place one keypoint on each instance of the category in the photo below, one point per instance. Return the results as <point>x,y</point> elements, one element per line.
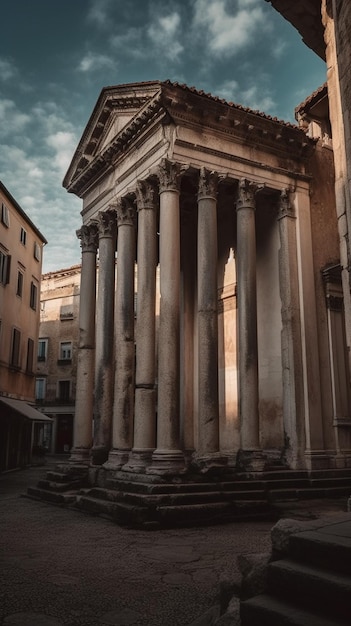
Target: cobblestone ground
<point>61,567</point>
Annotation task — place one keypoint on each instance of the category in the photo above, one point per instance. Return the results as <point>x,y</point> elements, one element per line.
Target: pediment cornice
<point>150,104</point>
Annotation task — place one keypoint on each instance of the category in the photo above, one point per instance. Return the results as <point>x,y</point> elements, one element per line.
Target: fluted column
<point>83,418</point>
<point>247,320</point>
<point>168,458</point>
<point>145,393</point>
<point>293,404</point>
<point>208,432</point>
<point>104,338</point>
<point>123,406</point>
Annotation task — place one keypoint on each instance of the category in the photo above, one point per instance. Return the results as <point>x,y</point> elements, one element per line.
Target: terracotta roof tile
<point>230,104</point>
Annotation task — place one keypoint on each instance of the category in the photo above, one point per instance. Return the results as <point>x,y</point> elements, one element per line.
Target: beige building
<point>21,250</point>
<point>57,355</point>
<point>238,211</point>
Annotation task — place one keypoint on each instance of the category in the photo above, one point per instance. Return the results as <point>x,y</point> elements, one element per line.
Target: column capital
<point>208,183</point>
<point>106,223</point>
<point>169,174</point>
<point>125,211</point>
<point>146,195</point>
<point>246,194</point>
<point>286,207</point>
<point>88,237</point>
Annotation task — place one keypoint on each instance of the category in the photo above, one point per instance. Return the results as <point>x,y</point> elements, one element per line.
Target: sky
<point>57,55</point>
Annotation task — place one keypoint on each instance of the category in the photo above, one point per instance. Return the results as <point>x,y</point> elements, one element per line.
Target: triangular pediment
<point>113,112</point>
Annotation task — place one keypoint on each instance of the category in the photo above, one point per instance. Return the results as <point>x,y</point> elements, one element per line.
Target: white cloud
<point>7,69</point>
<point>11,119</point>
<point>99,13</point>
<point>225,32</point>
<point>92,61</point>
<point>33,170</point>
<point>228,90</point>
<point>279,48</point>
<point>131,40</point>
<point>164,34</point>
<point>258,99</point>
<point>63,143</point>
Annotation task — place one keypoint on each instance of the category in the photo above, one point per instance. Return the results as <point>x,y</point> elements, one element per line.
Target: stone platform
<point>141,500</point>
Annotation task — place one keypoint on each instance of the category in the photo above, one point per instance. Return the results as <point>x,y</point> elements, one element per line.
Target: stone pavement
<point>59,567</point>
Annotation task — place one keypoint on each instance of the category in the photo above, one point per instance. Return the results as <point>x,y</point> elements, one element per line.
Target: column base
<point>80,456</point>
<point>212,463</point>
<point>116,459</point>
<point>167,462</point>
<point>138,461</point>
<point>318,459</point>
<point>98,454</point>
<point>251,461</point>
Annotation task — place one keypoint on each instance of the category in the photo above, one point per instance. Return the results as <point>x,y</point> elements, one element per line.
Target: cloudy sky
<point>56,55</point>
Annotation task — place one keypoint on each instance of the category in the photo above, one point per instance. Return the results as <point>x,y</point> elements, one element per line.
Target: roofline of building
<point>163,103</point>
<point>22,212</point>
<point>66,271</point>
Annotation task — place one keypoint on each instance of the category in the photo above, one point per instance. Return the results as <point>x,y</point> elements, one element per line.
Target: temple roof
<point>125,113</point>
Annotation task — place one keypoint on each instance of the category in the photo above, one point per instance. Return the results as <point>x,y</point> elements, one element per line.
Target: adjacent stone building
<point>21,251</point>
<point>238,211</point>
<point>325,26</point>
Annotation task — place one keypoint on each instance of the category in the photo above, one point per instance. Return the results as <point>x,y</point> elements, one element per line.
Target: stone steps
<point>173,509</point>
<point>264,610</point>
<point>311,585</point>
<point>310,493</point>
<point>49,485</point>
<point>320,548</point>
<point>120,512</point>
<point>314,587</point>
<point>235,496</point>
<point>53,497</point>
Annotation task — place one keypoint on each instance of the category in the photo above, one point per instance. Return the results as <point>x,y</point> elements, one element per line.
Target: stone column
<point>145,393</point>
<point>83,419</point>
<point>247,321</point>
<point>293,403</point>
<point>207,454</point>
<point>123,407</point>
<point>316,456</point>
<point>104,338</point>
<point>168,458</point>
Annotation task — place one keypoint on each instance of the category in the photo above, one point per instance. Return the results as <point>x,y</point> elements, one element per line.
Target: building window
<point>23,236</point>
<point>66,312</point>
<point>15,348</point>
<point>19,289</point>
<point>42,349</point>
<point>30,354</point>
<point>33,296</point>
<point>40,386</point>
<point>64,389</point>
<point>65,351</point>
<point>5,215</point>
<point>5,265</point>
<point>36,251</point>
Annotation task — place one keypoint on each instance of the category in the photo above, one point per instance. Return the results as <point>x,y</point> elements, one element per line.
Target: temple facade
<point>234,358</point>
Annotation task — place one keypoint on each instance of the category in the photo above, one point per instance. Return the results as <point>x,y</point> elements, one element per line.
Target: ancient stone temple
<point>219,358</point>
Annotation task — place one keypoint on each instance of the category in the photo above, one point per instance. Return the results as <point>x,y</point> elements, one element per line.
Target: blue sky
<point>57,55</point>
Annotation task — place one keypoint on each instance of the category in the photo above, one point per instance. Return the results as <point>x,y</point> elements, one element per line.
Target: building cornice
<point>185,106</point>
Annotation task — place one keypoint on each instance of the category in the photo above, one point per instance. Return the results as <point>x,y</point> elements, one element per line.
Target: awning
<point>25,409</point>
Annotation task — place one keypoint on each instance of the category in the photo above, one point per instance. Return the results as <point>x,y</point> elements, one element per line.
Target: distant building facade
<point>57,355</point>
<point>21,251</point>
<point>238,212</point>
